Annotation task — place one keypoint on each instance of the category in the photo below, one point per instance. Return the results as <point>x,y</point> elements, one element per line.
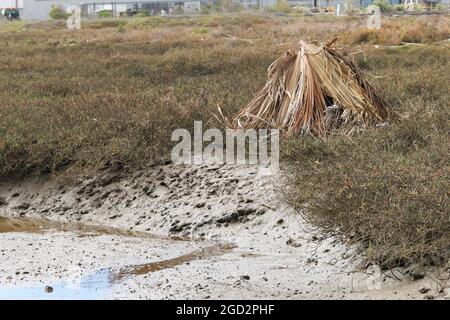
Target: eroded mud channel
<point>80,281</point>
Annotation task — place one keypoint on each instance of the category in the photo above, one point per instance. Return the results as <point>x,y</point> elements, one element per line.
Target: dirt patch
<point>211,205</point>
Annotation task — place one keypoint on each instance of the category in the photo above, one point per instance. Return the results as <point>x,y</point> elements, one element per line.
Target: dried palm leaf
<point>317,90</point>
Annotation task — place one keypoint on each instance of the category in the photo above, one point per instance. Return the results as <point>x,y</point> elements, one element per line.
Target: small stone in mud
<point>417,272</point>
<point>280,221</point>
<point>429,297</point>
<point>148,189</point>
<point>23,206</point>
<point>424,290</point>
<point>3,202</point>
<point>245,277</point>
<point>200,204</point>
<point>245,210</point>
<point>292,243</point>
<point>230,217</point>
<point>48,289</point>
<point>261,211</point>
<point>179,227</point>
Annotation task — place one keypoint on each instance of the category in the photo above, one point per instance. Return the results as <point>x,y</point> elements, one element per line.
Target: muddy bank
<point>130,226</point>
<point>41,225</point>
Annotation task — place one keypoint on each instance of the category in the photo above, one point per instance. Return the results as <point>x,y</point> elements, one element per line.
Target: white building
<point>10,4</point>
<point>39,9</point>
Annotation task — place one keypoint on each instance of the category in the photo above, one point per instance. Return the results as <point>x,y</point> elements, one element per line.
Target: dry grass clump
<point>314,89</point>
<point>386,188</point>
<point>396,32</point>
<point>214,20</point>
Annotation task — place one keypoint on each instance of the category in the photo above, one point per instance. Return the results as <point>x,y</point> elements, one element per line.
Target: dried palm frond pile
<point>317,90</point>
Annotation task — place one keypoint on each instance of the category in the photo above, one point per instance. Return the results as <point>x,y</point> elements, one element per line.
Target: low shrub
<point>58,13</point>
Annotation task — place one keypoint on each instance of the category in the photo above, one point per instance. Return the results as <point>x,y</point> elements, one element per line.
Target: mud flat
<point>209,231</point>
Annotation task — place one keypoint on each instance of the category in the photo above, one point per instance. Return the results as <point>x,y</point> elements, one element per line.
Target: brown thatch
<point>317,90</point>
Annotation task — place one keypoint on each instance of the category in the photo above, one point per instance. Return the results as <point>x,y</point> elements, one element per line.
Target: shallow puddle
<point>93,287</point>
<point>98,284</point>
